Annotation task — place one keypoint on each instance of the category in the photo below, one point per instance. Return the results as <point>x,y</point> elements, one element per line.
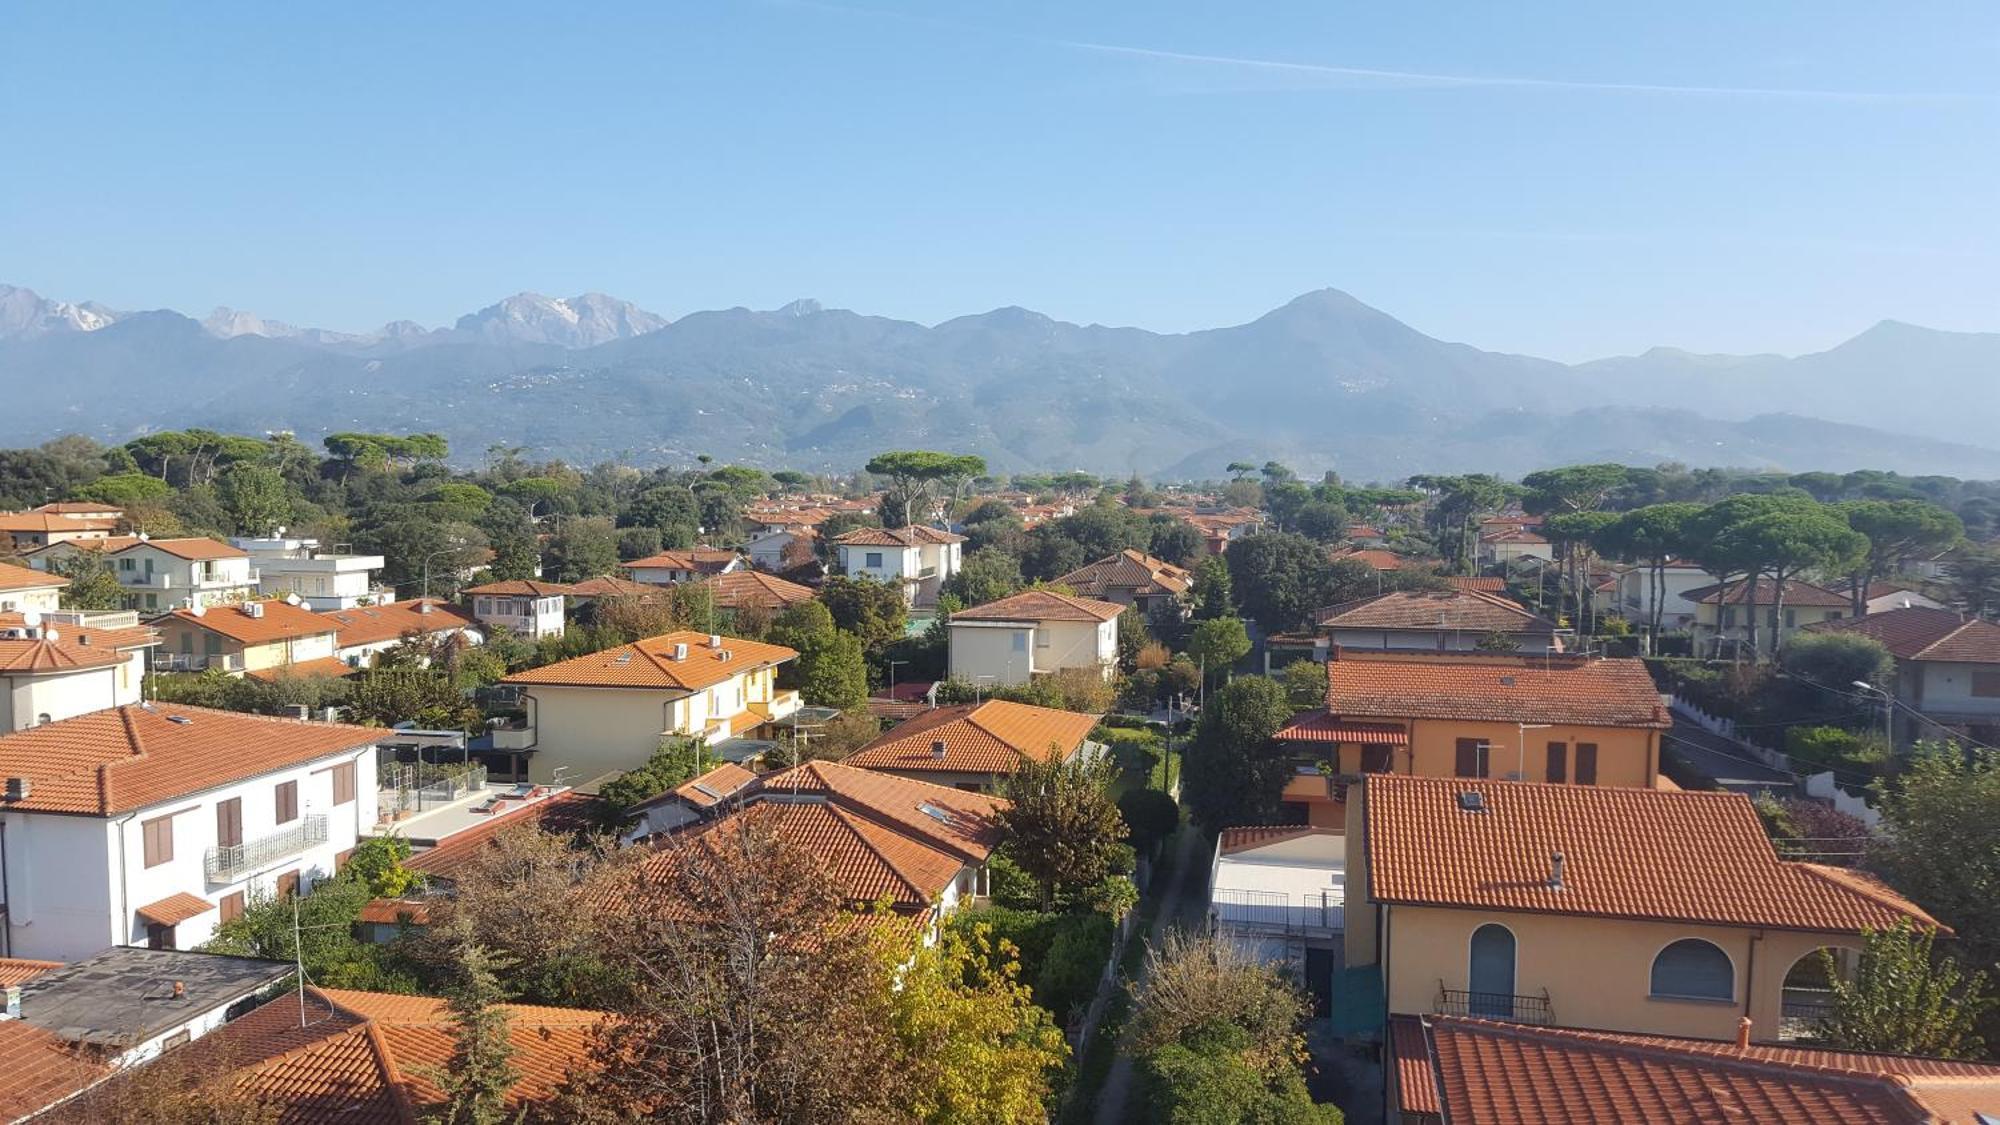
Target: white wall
<point>1947,689</point>
<point>530,617</point>
<point>39,599</point>
<point>992,652</point>
<point>25,698</point>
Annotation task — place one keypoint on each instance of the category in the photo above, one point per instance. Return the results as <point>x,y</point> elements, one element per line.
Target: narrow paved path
<point>1183,903</point>
<point>1722,760</point>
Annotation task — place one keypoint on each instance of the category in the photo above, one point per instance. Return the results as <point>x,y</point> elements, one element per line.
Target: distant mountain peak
<point>574,322</point>
<point>804,306</point>
<point>25,313</point>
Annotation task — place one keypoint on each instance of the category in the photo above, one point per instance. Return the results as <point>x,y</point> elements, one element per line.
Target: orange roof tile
<point>174,909</point>
<point>912,536</point>
<point>367,625</point>
<point>452,853</point>
<point>611,586</point>
<point>281,621</point>
<point>710,789</point>
<point>1481,585</point>
<point>989,737</point>
<point>24,578</point>
<point>125,758</point>
<point>32,523</point>
<point>1459,611</point>
<point>1233,840</point>
<point>1625,855</point>
<point>324,666</point>
<point>743,588</point>
<point>650,664</point>
<point>41,1069</point>
<point>952,820</point>
<point>20,970</point>
<point>1135,571</point>
<point>79,507</point>
<point>1490,1073</point>
<point>1796,594</point>
<point>1041,605</point>
<point>1921,633</point>
<point>520,588</point>
<point>1322,727</point>
<point>1373,556</point>
<point>194,549</point>
<point>88,636</point>
<point>1497,688</point>
<point>52,657</point>
<point>695,560</point>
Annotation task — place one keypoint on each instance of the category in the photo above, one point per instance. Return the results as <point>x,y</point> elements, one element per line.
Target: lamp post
<point>892,676</point>
<point>427,564</point>
<point>1888,711</point>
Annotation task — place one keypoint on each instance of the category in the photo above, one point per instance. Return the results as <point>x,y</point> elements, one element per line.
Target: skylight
<point>942,816</point>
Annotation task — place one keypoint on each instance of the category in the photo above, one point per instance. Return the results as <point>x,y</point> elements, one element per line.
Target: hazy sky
<point>1566,179</point>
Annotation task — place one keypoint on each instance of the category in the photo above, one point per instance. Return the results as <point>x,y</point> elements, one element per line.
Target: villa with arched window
<point>1655,912</point>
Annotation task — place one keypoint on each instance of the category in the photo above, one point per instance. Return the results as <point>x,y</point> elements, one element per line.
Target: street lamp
<point>445,550</point>
<point>892,676</point>
<point>1888,711</point>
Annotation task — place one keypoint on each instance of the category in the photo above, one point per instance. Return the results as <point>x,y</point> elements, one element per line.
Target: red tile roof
<point>913,536</point>
<point>1373,556</point>
<point>1796,594</point>
<point>867,860</point>
<point>1458,611</point>
<point>744,588</point>
<point>320,667</point>
<point>367,625</point>
<point>1233,840</point>
<point>122,759</point>
<point>174,909</point>
<point>90,636</point>
<point>193,549</point>
<point>952,820</point>
<point>1489,1073</point>
<point>1042,605</point>
<point>1322,727</point>
<point>1135,571</point>
<point>281,621</point>
<point>521,588</point>
<point>650,664</point>
<point>1626,854</point>
<point>1920,633</point>
<point>20,970</point>
<point>24,578</point>
<point>696,560</point>
<point>78,507</point>
<point>612,586</point>
<point>454,852</point>
<point>1483,687</point>
<point>1475,583</point>
<point>989,737</point>
<point>32,523</point>
<point>41,1068</point>
<point>42,656</point>
<point>710,789</point>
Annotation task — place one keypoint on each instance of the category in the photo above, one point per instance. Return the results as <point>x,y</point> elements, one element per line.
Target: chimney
<point>423,607</point>
<point>1556,871</point>
<point>715,640</point>
<point>1743,1034</point>
<point>937,749</point>
<point>253,609</point>
<point>19,788</point>
<point>680,650</point>
<point>11,1009</point>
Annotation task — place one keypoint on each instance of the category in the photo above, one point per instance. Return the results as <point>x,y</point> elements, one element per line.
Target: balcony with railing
<point>232,862</point>
<point>1320,913</point>
<point>1494,1006</point>
<point>1800,1012</point>
<point>197,661</point>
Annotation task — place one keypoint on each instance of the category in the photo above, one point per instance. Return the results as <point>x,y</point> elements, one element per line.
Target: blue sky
<point>1566,179</point>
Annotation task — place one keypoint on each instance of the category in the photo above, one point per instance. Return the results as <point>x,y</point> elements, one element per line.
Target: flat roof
<point>125,995</point>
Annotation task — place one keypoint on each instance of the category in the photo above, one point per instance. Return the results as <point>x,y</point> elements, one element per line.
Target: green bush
<point>1843,751</point>
<point>1067,977</point>
<point>1150,816</point>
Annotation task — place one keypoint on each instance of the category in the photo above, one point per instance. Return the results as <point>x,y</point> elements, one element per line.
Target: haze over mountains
<point>1322,382</point>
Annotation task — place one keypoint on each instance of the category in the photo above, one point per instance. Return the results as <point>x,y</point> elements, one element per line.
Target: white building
<point>917,559</point>
<point>529,607</point>
<point>1631,595</point>
<point>322,580</point>
<point>1033,633</point>
<point>54,666</point>
<point>23,590</point>
<point>152,824</point>
<point>163,574</point>
<point>368,630</point>
<point>607,712</point>
<point>669,567</point>
<point>1279,894</point>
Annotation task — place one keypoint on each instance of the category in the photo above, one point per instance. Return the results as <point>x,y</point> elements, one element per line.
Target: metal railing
<point>1324,910</point>
<point>1494,1006</point>
<point>197,661</point>
<point>232,862</point>
<point>1800,1012</point>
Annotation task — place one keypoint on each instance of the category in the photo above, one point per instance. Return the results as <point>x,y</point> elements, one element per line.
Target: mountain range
<point>1324,382</point>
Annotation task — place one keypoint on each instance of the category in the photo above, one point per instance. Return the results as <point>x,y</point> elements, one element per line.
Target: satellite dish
<point>31,618</point>
<point>292,599</point>
<point>51,635</point>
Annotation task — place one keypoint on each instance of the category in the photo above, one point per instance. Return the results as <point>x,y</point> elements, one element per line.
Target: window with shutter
<point>232,906</point>
<point>288,802</point>
<point>1586,763</point>
<point>1558,763</point>
<point>288,884</point>
<point>229,823</point>
<point>1472,757</point>
<point>343,783</point>
<point>158,837</point>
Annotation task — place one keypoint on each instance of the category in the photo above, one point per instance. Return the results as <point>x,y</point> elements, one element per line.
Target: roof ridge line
<point>846,814</point>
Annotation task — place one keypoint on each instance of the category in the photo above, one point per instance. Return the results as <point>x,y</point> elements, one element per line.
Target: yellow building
<point>1645,911</point>
<point>1567,720</point>
<point>254,637</point>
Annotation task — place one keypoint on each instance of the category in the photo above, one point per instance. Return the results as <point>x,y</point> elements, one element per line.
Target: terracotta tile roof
<point>46,657</point>
<point>1476,583</point>
<point>366,1057</point>
<point>611,586</point>
<point>125,758</point>
<point>41,1069</point>
<point>193,549</point>
<point>450,856</point>
<point>1920,633</point>
<point>1796,594</point>
<point>1374,556</point>
<point>1322,727</point>
<point>1609,691</point>
<point>367,625</point>
<point>321,667</point>
<point>20,970</point>
<point>174,909</point>
<point>396,912</point>
<point>108,543</point>
<point>1233,840</point>
<point>650,664</point>
<point>913,536</point>
<point>281,621</point>
<point>710,789</point>
<point>1513,535</point>
<point>1136,571</point>
<point>1457,611</point>
<point>1626,855</point>
<point>743,588</point>
<point>92,637</point>
<point>77,507</point>
<point>32,523</point>
<point>23,578</point>
<point>1042,605</point>
<point>1490,1073</point>
<point>952,820</point>
<point>867,860</point>
<point>989,737</point>
<point>521,588</point>
<point>696,560</point>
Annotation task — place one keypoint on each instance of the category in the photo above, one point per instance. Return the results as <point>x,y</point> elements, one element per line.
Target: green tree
<point>1571,534</point>
<point>873,611</point>
<point>917,475</point>
<point>1235,770</point>
<point>1150,817</point>
<point>1897,530</point>
<point>1305,684</point>
<point>257,498</point>
<point>1835,660</point>
<point>584,547</point>
<point>1905,998</point>
<point>476,1078</point>
<point>979,1048</point>
<point>1788,542</point>
<point>1940,841</point>
<point>1211,592</point>
<point>378,862</point>
<point>833,671</point>
<point>676,761</point>
<point>1650,536</point>
<point>127,490</point>
<point>426,696</point>
<point>986,576</point>
<point>1974,578</point>
<point>1062,826</point>
<point>1279,579</point>
<point>1174,540</point>
<point>92,582</point>
<point>1217,645</point>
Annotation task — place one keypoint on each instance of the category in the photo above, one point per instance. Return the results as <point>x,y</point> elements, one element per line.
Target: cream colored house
<point>1630,594</point>
<point>254,637</point>
<point>607,712</point>
<point>23,590</point>
<point>1722,614</point>
<point>917,559</point>
<point>669,567</point>
<point>530,607</point>
<point>28,531</point>
<point>1033,633</point>
<point>163,574</point>
<point>1656,912</point>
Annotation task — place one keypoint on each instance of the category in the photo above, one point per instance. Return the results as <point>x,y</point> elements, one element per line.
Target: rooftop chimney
<point>423,607</point>
<point>11,1009</point>
<point>937,749</point>
<point>253,609</point>
<point>180,990</point>
<point>1556,871</point>
<point>715,640</point>
<point>1743,1034</point>
<point>19,788</point>
<point>680,650</point>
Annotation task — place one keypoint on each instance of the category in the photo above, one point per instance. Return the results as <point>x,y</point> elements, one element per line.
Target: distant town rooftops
<point>683,661</point>
<point>1921,633</point>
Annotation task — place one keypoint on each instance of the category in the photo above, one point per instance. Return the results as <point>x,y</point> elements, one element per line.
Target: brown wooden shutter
<point>1558,763</point>
<point>1468,762</point>
<point>1586,763</point>
<point>288,802</point>
<point>229,822</point>
<point>288,884</point>
<point>343,783</point>
<point>232,906</point>
<point>158,837</point>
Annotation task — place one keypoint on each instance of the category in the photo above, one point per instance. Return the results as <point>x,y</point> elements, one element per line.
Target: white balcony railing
<point>232,862</point>
<point>197,661</point>
<point>1321,911</point>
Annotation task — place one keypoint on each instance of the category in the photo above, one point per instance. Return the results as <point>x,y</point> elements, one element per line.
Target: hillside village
<point>352,782</point>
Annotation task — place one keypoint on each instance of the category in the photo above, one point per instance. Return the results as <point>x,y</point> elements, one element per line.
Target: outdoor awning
<point>174,909</point>
<point>1322,727</point>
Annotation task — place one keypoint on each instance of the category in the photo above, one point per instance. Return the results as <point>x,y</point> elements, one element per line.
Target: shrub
<point>1851,756</point>
<point>1150,816</point>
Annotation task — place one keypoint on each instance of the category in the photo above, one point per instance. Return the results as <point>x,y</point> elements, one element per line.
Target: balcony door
<point>229,823</point>
<point>1492,973</point>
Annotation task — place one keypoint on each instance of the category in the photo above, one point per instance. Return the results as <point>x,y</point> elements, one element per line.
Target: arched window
<point>1694,969</point>
<point>1492,972</point>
